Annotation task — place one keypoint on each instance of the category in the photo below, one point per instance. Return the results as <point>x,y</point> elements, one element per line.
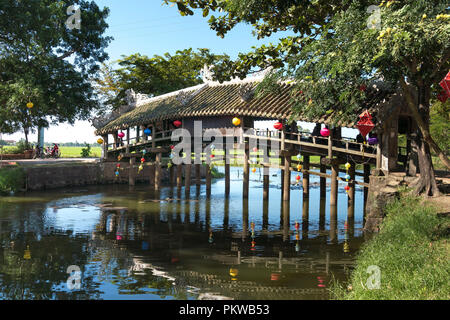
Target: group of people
<point>52,152</point>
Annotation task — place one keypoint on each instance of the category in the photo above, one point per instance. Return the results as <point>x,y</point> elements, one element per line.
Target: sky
<point>149,28</point>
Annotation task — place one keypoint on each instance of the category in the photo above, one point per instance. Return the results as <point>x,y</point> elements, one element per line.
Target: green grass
<point>75,152</point>
<point>412,252</point>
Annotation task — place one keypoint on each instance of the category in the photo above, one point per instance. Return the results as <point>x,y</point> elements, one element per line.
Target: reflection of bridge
<point>179,252</point>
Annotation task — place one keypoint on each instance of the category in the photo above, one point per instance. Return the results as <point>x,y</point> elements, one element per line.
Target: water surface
<point>129,245</point>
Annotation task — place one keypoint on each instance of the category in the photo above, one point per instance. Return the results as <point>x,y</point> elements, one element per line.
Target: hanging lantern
<point>297,236</point>
<point>142,160</point>
<point>299,167</point>
<point>177,123</point>
<point>117,173</point>
<point>372,140</point>
<point>212,147</point>
<point>30,105</point>
<point>255,149</point>
<point>297,225</point>
<point>347,166</point>
<point>100,141</point>
<point>445,84</point>
<point>27,253</point>
<point>278,125</point>
<point>347,177</point>
<point>212,156</point>
<point>253,169</point>
<point>171,156</point>
<point>121,135</point>
<point>442,96</point>
<point>325,132</point>
<point>297,178</point>
<point>172,147</point>
<point>147,132</point>
<point>299,156</point>
<point>144,152</point>
<point>118,165</point>
<point>141,167</point>
<point>236,121</point>
<point>365,124</point>
<point>347,188</point>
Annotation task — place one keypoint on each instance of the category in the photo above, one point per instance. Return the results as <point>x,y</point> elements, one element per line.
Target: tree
<point>410,49</point>
<point>154,76</point>
<point>35,43</point>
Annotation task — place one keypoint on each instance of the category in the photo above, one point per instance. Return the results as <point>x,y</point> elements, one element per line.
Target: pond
<point>120,242</point>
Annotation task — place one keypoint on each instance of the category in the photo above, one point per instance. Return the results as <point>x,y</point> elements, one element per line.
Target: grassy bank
<point>412,253</point>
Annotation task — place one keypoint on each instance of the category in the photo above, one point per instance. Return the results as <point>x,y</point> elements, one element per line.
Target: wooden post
<point>366,180</point>
<point>265,220</point>
<point>131,173</point>
<point>198,178</point>
<point>322,213</point>
<point>287,178</point>
<point>158,172</point>
<point>246,179</point>
<point>334,185</point>
<point>323,180</point>
<point>266,172</point>
<point>153,135</point>
<point>138,135</point>
<point>105,146</point>
<point>208,181</point>
<point>227,172</point>
<point>187,180</point>
<point>172,176</point>
<point>305,187</point>
<point>351,194</point>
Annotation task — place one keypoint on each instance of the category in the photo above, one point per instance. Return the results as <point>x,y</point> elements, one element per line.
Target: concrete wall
<point>67,175</point>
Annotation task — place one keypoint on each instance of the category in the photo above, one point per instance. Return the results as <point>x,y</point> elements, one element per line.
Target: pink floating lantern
<point>177,123</point>
<point>278,125</point>
<point>121,134</point>
<point>325,132</point>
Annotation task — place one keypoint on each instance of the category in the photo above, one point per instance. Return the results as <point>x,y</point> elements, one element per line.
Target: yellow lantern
<point>253,170</point>
<point>236,121</point>
<point>234,272</point>
<point>27,254</point>
<point>299,167</point>
<point>30,105</point>
<point>100,141</point>
<point>347,166</point>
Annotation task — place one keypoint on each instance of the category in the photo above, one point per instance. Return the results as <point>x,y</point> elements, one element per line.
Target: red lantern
<point>121,134</point>
<point>172,147</point>
<point>212,156</point>
<point>365,124</point>
<point>442,96</point>
<point>325,132</point>
<point>255,149</point>
<point>278,125</point>
<point>142,160</point>
<point>445,83</point>
<point>177,123</point>
<point>347,188</point>
<point>297,225</point>
<point>297,177</point>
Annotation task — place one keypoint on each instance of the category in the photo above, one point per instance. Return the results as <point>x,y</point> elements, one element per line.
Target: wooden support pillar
<point>246,180</point>
<point>105,146</point>
<point>179,177</point>
<point>158,172</point>
<point>265,220</point>
<point>266,176</point>
<point>322,213</point>
<point>366,180</point>
<point>138,135</point>
<point>153,135</point>
<point>351,194</point>
<point>306,161</point>
<point>131,172</point>
<point>334,187</point>
<point>208,181</point>
<point>198,178</point>
<point>187,180</point>
<point>172,176</point>
<point>287,178</point>
<point>323,180</point>
<point>227,172</point>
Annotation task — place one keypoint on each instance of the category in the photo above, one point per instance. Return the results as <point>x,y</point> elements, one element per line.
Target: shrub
<point>86,152</point>
<point>11,180</point>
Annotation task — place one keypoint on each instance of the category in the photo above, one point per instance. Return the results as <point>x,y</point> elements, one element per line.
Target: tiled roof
<point>223,100</point>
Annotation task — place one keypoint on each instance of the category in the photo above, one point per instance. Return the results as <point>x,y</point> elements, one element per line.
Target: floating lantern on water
<point>275,276</point>
<point>325,132</point>
<point>236,121</point>
<point>278,125</point>
<point>177,123</point>
<point>100,141</point>
<point>121,134</point>
<point>147,132</point>
<point>234,272</point>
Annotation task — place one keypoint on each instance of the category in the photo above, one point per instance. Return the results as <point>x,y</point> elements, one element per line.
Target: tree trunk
<point>427,184</point>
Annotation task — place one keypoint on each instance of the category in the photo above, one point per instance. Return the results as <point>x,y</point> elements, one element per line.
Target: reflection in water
<point>130,246</point>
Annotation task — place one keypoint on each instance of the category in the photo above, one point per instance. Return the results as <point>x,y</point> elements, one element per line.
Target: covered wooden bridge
<point>146,132</point>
